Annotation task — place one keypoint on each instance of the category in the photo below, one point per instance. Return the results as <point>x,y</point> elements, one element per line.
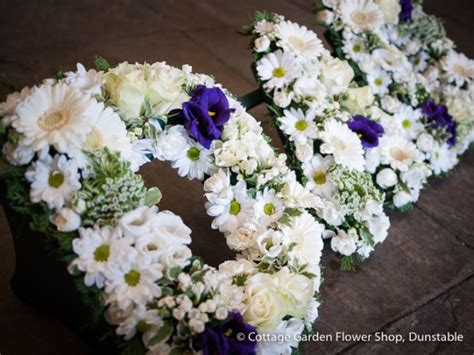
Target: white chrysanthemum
<point>306,233</point>
<point>298,39</point>
<point>96,248</point>
<point>58,115</point>
<point>398,152</point>
<point>442,158</point>
<point>277,69</point>
<point>361,15</point>
<point>230,212</point>
<point>268,207</point>
<point>458,67</point>
<point>299,126</point>
<point>108,130</point>
<point>354,48</point>
<point>88,81</point>
<point>194,162</point>
<point>141,319</point>
<point>132,281</point>
<point>53,181</point>
<point>379,81</point>
<point>343,144</point>
<point>316,171</point>
<point>408,122</point>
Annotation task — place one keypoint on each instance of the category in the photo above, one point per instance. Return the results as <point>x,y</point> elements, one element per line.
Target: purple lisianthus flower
<point>205,114</point>
<point>231,337</point>
<point>407,8</point>
<point>368,131</point>
<point>439,117</point>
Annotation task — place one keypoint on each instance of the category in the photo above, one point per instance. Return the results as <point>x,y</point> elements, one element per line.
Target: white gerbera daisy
<point>230,212</point>
<point>298,39</point>
<point>277,69</point>
<point>379,81</point>
<point>58,115</point>
<point>95,249</point>
<point>194,162</point>
<point>268,207</point>
<point>132,281</point>
<point>316,170</point>
<point>306,233</point>
<point>343,144</point>
<point>108,130</point>
<point>299,126</point>
<point>408,122</point>
<point>458,67</point>
<point>361,15</point>
<point>398,152</point>
<point>53,180</point>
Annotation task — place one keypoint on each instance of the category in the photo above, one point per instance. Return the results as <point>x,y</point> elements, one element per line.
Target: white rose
<point>262,44</point>
<point>177,255</point>
<point>237,267</point>
<point>218,182</point>
<point>264,306</point>
<point>171,228</point>
<point>171,143</point>
<point>390,9</point>
<point>390,104</point>
<point>249,166</point>
<point>271,243</point>
<point>336,75</point>
<point>228,153</point>
<point>244,237</point>
<point>425,142</point>
<point>344,243</point>
<point>386,178</point>
<point>358,99</point>
<point>325,17</point>
<point>401,198</point>
<point>66,220</point>
<point>304,152</point>
<point>282,98</point>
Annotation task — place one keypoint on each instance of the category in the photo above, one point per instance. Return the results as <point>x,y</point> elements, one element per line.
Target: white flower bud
<point>386,178</point>
<point>262,44</point>
<point>66,220</point>
<point>221,313</point>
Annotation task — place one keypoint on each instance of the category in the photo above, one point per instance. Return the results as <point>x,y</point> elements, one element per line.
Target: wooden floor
<point>420,280</point>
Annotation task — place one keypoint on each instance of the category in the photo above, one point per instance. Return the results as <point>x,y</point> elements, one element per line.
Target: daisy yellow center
<point>234,208</point>
<point>378,81</point>
<point>319,177</point>
<point>301,125</point>
<point>398,154</point>
<point>406,123</point>
<point>193,154</point>
<point>269,209</point>
<point>132,278</point>
<point>142,326</point>
<point>211,113</point>
<point>94,139</point>
<point>359,17</point>
<point>279,72</point>
<point>152,247</point>
<point>52,121</point>
<point>356,48</point>
<point>102,253</point>
<point>55,179</point>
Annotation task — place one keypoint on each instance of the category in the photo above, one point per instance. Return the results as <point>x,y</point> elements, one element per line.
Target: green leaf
<point>175,271</point>
<point>163,333</point>
<point>347,263</point>
<point>293,212</point>
<point>59,74</point>
<point>101,63</point>
<point>152,196</point>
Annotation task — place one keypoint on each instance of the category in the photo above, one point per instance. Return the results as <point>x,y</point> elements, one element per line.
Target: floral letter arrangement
<point>365,129</point>
<point>73,146</point>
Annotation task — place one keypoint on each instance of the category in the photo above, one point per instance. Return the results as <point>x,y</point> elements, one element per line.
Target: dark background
<point>420,279</point>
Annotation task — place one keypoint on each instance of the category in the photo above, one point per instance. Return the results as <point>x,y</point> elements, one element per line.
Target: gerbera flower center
<point>102,253</point>
<point>398,154</point>
<point>94,139</point>
<point>142,326</point>
<point>296,42</point>
<point>269,209</point>
<point>319,177</point>
<point>279,72</point>
<point>460,70</point>
<point>132,278</point>
<point>234,208</point>
<point>55,179</point>
<point>53,120</point>
<point>193,154</point>
<point>301,125</point>
<point>359,17</point>
<point>406,123</point>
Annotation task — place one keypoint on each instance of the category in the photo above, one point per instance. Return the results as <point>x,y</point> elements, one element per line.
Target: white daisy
<point>442,159</point>
<point>232,212</point>
<point>299,126</point>
<point>141,320</point>
<point>132,281</point>
<point>53,180</point>
<point>95,249</point>
<point>194,162</point>
<point>316,171</point>
<point>408,122</point>
<point>458,67</point>
<point>343,144</point>
<point>398,152</point>
<point>354,48</point>
<point>277,69</point>
<point>57,115</point>
<point>298,39</point>
<point>379,81</point>
<point>361,15</point>
<point>268,207</point>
